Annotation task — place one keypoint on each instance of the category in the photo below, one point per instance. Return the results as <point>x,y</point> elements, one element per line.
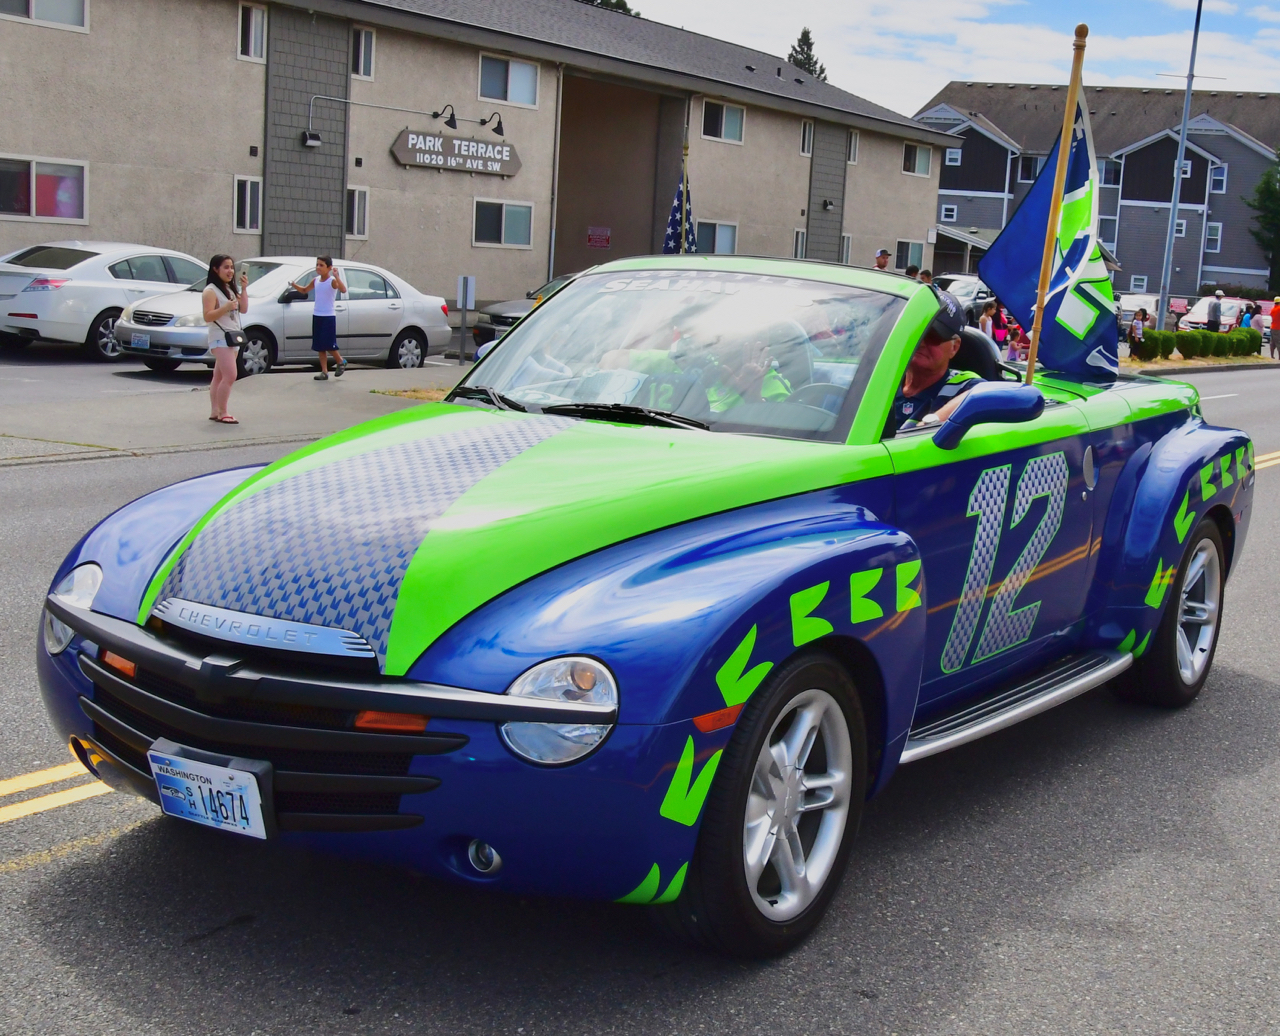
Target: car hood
<point>513,308</point>
<point>397,529</point>
<point>181,303</point>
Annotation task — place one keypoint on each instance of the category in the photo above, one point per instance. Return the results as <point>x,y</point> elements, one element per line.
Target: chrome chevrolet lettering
<point>226,624</point>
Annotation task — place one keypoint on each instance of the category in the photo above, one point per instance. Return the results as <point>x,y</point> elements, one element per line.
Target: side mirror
<point>989,403</point>
<point>293,296</point>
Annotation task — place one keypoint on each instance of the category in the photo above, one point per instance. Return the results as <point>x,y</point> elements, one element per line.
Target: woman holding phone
<point>223,304</point>
<point>324,321</point>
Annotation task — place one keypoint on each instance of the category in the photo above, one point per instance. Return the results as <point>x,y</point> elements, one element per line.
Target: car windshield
<point>50,257</point>
<point>256,271</point>
<point>960,287</point>
<point>1200,311</point>
<point>734,351</point>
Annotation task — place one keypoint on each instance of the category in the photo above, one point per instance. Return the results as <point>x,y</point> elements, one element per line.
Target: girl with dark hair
<point>223,304</point>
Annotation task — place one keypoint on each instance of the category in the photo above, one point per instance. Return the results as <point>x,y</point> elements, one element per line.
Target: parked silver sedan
<point>381,318</point>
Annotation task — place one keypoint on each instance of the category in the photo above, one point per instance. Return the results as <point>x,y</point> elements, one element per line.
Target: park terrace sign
<point>461,154</point>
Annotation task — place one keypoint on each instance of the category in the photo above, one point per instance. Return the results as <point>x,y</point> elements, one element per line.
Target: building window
<point>515,82</point>
<point>1029,167</point>
<point>358,212</point>
<point>954,155</point>
<point>846,248</point>
<point>851,148</point>
<point>1179,228</point>
<point>1138,282</point>
<point>1107,228</point>
<point>949,213</point>
<point>45,190</point>
<point>800,244</point>
<point>915,159</point>
<point>1218,179</point>
<point>1109,172</point>
<point>722,121</point>
<point>909,253</point>
<point>51,12</point>
<point>718,238</point>
<point>253,32</point>
<point>806,137</point>
<point>503,223</point>
<point>1213,237</point>
<point>362,53</point>
<point>248,205</point>
<point>1186,168</point>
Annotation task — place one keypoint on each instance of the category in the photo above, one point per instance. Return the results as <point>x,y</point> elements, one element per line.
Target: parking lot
<point>1100,868</point>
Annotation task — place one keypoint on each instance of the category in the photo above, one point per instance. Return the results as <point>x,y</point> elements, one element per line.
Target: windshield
<point>256,271</point>
<point>737,352</point>
<point>51,257</point>
<point>960,287</point>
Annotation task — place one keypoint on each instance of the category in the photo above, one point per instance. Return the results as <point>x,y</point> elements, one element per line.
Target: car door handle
<point>339,308</point>
<point>394,305</point>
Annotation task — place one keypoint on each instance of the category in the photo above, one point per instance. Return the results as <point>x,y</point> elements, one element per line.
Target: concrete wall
<point>304,193</point>
<point>884,205</point>
<point>827,184</point>
<point>608,153</point>
<point>154,99</point>
<point>420,220</point>
<point>762,184</point>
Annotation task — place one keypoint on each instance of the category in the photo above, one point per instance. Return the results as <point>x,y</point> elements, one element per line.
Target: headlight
<point>127,314</point>
<point>190,320</point>
<point>561,679</point>
<point>78,588</point>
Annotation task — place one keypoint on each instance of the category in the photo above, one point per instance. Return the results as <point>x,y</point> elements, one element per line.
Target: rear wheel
<point>159,363</point>
<point>257,354</point>
<point>1177,663</point>
<point>781,817</point>
<point>408,351</point>
<point>100,343</point>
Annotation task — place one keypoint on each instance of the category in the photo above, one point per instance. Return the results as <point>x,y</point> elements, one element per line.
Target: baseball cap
<point>1220,293</point>
<point>950,317</point>
<point>881,251</point>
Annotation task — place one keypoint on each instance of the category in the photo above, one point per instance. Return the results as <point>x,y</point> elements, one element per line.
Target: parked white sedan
<point>381,318</point>
<point>73,291</point>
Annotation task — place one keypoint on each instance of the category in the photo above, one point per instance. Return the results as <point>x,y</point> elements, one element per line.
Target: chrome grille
<point>151,319</point>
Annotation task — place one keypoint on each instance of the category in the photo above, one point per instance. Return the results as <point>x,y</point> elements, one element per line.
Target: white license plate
<point>203,793</point>
<point>140,341</point>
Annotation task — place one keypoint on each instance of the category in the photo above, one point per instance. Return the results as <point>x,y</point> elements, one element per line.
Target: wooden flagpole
<point>684,195</point>
<point>1055,203</point>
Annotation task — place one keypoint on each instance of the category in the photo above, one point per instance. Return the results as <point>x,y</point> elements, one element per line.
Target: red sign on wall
<point>598,237</point>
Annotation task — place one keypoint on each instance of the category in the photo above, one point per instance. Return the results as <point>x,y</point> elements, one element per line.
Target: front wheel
<point>257,354</point>
<point>781,817</point>
<point>161,365</point>
<point>408,351</point>
<point>100,343</point>
<point>1175,666</point>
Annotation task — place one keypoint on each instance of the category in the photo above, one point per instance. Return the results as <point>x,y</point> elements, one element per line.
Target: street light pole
<point>1166,271</point>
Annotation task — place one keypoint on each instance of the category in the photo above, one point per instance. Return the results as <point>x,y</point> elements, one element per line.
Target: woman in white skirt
<point>223,305</point>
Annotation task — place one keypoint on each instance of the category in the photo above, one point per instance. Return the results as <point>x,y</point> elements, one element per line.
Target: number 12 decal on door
<point>1005,627</point>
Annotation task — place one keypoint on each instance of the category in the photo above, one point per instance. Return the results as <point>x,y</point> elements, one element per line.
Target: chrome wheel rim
<point>409,353</point>
<point>1198,611</point>
<point>256,356</point>
<point>107,344</point>
<point>797,806</point>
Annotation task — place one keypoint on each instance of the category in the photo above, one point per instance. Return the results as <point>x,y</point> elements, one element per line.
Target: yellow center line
<point>43,856</point>
<point>46,802</point>
<point>50,776</point>
<point>1268,464</point>
<point>1266,456</point>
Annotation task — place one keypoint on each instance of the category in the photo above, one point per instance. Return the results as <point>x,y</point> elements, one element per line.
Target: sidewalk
<point>288,406</point>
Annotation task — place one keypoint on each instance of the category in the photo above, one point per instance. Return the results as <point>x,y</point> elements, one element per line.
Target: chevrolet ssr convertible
<point>652,604</point>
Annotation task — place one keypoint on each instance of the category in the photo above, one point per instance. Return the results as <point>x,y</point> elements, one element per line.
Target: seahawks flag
<point>1078,333</point>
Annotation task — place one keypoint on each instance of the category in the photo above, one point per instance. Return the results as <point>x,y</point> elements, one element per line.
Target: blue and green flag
<point>1078,333</point>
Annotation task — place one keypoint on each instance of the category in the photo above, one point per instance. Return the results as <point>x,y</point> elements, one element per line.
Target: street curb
<point>109,452</point>
<point>1208,368</point>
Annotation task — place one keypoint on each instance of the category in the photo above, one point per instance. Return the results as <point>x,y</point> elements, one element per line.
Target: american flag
<point>671,243</point>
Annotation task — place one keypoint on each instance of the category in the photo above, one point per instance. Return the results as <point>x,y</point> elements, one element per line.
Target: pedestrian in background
<point>984,321</point>
<point>1274,345</point>
<point>324,321</point>
<point>1000,331</point>
<point>1246,315</point>
<point>912,271</point>
<point>882,259</point>
<point>926,276</point>
<point>1213,319</point>
<point>1137,327</point>
<point>223,304</point>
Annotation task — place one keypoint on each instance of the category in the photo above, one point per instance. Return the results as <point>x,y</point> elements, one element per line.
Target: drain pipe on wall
<point>555,176</point>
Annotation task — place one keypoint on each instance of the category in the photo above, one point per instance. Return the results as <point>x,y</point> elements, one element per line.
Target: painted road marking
<point>50,776</point>
<point>46,802</point>
<point>43,856</point>
<point>1266,460</point>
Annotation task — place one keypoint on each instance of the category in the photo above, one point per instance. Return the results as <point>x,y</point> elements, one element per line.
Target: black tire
<point>257,355</point>
<point>717,906</point>
<point>408,350</point>
<point>161,365</point>
<point>100,343</point>
<point>1158,678</point>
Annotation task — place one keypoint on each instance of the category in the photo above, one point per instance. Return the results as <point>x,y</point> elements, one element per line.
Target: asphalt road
<point>1100,868</point>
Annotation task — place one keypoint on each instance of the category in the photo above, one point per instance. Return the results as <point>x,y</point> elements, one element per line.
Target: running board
<point>1048,688</point>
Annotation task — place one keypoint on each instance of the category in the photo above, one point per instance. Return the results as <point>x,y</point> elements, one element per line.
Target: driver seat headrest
<point>978,353</point>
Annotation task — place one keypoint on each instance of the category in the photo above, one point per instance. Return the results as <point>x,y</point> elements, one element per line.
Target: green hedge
<point>1148,348</point>
<point>1166,343</point>
<point>1255,341</point>
<point>1188,343</point>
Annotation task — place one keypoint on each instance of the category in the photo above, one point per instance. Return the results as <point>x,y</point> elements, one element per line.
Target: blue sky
<point>900,52</point>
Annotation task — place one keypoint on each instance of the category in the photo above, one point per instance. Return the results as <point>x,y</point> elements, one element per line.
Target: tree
<point>620,6</point>
<point>1266,203</point>
<point>803,57</point>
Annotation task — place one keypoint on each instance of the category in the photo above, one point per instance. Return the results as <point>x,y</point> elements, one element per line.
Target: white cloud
<point>1265,14</point>
<point>1212,6</point>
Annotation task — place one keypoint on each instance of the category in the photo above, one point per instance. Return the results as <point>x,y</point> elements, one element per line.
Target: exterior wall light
<point>311,139</point>
<point>497,120</point>
<point>451,121</point>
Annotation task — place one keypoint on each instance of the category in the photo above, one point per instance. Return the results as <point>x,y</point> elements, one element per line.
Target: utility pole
<point>1166,271</point>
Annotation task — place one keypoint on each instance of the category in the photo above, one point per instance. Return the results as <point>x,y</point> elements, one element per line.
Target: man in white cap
<point>882,259</point>
<point>1213,322</point>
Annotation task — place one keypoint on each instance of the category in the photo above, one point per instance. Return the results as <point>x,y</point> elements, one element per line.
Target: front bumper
<point>166,342</point>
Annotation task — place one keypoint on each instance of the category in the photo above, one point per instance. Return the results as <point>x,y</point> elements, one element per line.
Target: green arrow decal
<point>1207,488</point>
<point>861,584</point>
<point>1224,466</point>
<point>1182,521</point>
<point>673,890</point>
<point>1160,582</point>
<point>804,626</point>
<point>1127,643</point>
<point>683,803</point>
<point>1240,471</point>
<point>1143,646</point>
<point>646,890</point>
<point>907,597</point>
<point>735,686</point>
